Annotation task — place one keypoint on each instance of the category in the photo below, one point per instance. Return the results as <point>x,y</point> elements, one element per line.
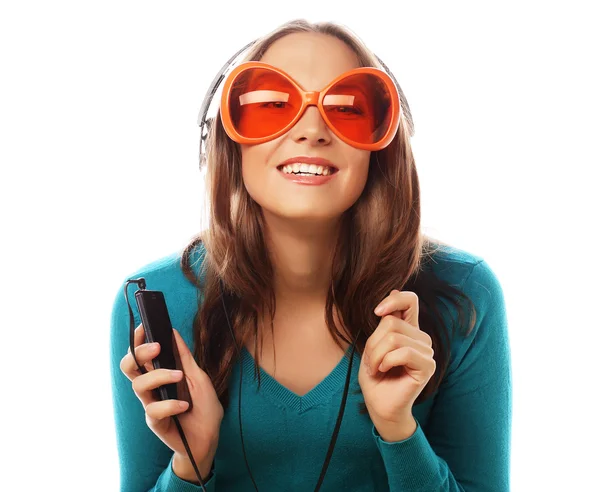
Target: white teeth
<point>299,167</point>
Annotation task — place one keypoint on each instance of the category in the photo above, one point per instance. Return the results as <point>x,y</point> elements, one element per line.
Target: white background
<point>98,108</point>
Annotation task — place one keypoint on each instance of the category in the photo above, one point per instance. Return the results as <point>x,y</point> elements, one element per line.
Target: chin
<point>307,214</point>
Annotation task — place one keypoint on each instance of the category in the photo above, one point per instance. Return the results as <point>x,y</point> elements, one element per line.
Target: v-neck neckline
<point>324,390</point>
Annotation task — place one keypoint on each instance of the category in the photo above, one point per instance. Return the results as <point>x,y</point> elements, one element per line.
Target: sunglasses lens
<point>359,107</point>
<point>262,102</point>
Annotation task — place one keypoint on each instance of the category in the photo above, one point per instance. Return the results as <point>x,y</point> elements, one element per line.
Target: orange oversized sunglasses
<point>261,102</point>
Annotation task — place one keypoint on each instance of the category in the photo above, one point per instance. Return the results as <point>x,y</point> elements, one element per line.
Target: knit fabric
<point>462,440</point>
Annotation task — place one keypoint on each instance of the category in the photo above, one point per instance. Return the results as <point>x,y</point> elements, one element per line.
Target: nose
<point>311,128</point>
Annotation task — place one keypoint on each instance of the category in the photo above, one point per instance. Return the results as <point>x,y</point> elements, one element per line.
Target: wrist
<point>398,430</point>
<point>183,468</point>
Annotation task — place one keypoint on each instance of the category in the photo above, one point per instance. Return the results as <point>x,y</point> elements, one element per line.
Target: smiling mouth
<point>301,169</point>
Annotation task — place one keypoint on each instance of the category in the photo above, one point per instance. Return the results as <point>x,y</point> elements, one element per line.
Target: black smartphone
<point>157,328</point>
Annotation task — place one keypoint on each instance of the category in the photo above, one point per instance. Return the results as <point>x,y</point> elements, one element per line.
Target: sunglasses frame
<point>311,98</point>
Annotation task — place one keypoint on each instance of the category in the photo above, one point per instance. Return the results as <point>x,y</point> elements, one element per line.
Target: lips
<point>317,161</point>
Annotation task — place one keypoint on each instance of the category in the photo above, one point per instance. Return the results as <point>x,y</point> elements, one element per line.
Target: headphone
<point>205,125</point>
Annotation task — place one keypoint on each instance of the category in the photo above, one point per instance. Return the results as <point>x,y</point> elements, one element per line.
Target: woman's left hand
<point>396,365</point>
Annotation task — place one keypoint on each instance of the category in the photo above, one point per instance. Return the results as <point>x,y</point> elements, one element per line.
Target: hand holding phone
<point>201,421</point>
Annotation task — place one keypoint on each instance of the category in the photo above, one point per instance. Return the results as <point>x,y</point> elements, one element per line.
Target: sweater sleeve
<point>145,462</point>
<point>466,443</point>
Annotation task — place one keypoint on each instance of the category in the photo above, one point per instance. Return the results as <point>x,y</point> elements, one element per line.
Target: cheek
<point>255,171</point>
<point>357,174</point>
<point>251,156</point>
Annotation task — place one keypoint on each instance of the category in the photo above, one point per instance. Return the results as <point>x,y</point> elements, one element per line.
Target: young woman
<point>315,297</point>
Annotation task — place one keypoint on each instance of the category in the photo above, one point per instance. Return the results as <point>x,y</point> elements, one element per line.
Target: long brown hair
<point>380,247</point>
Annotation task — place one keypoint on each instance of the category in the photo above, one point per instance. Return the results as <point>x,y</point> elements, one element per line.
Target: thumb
<point>189,366</point>
<point>187,359</point>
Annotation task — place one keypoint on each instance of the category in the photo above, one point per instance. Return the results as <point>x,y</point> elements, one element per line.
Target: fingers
<point>159,410</point>
<point>406,302</point>
<point>144,353</point>
<point>391,343</point>
<point>416,364</point>
<point>390,324</point>
<point>144,384</point>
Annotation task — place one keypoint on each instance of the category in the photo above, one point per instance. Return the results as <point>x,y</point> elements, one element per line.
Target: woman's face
<point>313,60</point>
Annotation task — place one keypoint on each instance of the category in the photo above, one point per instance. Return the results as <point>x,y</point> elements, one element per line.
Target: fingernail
<point>183,404</point>
<point>153,346</point>
<point>379,309</point>
<point>176,374</point>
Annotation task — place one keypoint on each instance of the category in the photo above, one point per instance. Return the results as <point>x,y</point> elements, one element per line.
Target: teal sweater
<point>462,441</point>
